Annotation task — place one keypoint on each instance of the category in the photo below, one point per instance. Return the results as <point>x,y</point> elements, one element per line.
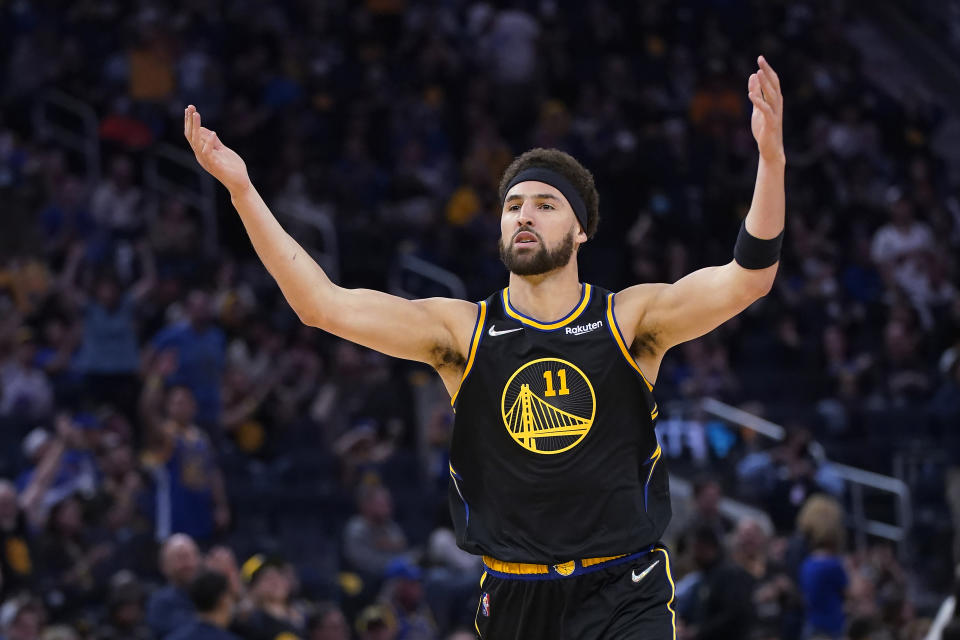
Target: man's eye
<point>544,205</point>
<point>513,207</point>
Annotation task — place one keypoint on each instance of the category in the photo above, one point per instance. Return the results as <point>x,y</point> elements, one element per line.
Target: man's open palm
<point>218,159</point>
<point>767,119</point>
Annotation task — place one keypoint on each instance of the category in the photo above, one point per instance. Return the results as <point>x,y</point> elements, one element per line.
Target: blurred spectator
<point>125,618</point>
<point>776,600</point>
<point>58,355</point>
<point>25,390</point>
<point>174,237</point>
<point>21,619</point>
<point>26,281</point>
<point>823,578</point>
<point>71,558</point>
<point>170,607</point>
<point>372,539</point>
<point>199,347</point>
<point>720,604</point>
<point>189,489</point>
<point>214,602</point>
<point>109,355</point>
<point>16,559</point>
<point>117,203</point>
<point>898,246</point>
<point>705,514</point>
<point>66,219</point>
<point>269,591</point>
<point>61,466</point>
<point>222,560</point>
<point>404,593</point>
<point>906,376</point>
<point>327,622</point>
<point>375,622</point>
<point>945,404</point>
<point>795,478</point>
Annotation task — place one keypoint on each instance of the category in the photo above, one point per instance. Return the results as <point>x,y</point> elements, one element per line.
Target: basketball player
<point>556,476</point>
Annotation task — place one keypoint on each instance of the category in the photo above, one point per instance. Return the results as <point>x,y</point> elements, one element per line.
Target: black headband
<point>554,179</point>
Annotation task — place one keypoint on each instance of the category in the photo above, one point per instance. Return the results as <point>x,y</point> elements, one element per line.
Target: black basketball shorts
<point>625,598</point>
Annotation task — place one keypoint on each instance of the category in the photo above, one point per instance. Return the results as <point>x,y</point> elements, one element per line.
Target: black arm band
<point>754,253</point>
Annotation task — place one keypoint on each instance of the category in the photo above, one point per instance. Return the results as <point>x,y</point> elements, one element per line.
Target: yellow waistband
<point>524,569</point>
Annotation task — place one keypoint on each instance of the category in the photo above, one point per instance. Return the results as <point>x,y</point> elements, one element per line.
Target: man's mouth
<point>524,237</point>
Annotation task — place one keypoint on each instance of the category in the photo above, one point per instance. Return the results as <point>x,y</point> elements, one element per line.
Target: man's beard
<point>541,261</point>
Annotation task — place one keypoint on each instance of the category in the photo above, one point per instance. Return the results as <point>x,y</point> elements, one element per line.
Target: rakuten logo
<point>580,329</point>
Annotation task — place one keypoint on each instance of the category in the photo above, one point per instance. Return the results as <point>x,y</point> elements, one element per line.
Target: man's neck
<point>548,297</point>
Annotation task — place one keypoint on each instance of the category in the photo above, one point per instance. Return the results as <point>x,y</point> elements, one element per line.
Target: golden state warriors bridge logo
<point>548,406</point>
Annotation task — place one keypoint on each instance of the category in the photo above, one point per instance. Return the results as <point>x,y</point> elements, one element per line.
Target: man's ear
<point>581,234</point>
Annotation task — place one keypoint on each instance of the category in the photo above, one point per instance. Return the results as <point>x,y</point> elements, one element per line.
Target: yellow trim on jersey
<point>654,458</point>
<point>615,330</point>
<point>546,326</point>
<point>524,569</point>
<point>482,578</point>
<point>673,591</point>
<point>474,342</point>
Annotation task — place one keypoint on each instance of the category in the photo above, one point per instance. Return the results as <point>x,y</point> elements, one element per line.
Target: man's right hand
<point>218,159</point>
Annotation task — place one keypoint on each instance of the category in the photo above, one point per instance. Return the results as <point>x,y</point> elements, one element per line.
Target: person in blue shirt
<point>109,354</point>
<point>823,578</point>
<point>200,350</point>
<point>189,491</point>
<point>170,607</point>
<point>214,601</point>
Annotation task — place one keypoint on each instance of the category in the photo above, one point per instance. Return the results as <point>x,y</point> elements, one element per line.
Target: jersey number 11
<point>548,376</point>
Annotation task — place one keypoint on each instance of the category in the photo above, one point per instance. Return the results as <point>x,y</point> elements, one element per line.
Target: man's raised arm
<point>661,316</point>
<point>434,331</point>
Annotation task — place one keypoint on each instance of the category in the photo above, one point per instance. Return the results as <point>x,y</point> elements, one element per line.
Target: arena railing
<point>176,173</point>
<point>415,277</point>
<point>855,481</point>
<point>73,124</point>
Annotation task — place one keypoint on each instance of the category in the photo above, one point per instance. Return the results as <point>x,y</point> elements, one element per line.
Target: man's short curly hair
<point>567,166</point>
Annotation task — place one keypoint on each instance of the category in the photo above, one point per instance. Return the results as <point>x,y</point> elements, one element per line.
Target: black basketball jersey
<point>554,456</point>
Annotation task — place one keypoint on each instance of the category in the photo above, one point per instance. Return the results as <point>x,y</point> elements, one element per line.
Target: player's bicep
<point>420,330</point>
<point>698,303</point>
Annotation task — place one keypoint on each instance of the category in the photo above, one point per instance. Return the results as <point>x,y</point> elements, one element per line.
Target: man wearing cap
<point>269,588</point>
<point>62,465</point>
<point>556,476</point>
<point>404,594</point>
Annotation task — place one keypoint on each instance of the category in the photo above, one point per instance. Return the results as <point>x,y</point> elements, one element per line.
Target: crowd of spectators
<point>183,459</point>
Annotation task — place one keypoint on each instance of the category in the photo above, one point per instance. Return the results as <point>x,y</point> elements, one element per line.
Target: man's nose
<point>526,214</point>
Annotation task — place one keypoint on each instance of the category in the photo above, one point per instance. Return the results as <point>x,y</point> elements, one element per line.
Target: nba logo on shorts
<point>485,604</point>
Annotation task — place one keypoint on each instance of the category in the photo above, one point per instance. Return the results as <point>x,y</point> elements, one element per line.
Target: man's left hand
<point>767,119</point>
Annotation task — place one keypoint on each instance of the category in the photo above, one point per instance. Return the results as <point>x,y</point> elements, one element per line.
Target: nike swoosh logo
<point>638,578</point>
<point>494,333</point>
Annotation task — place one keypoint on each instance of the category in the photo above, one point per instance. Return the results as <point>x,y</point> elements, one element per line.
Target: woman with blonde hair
<point>823,578</point>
